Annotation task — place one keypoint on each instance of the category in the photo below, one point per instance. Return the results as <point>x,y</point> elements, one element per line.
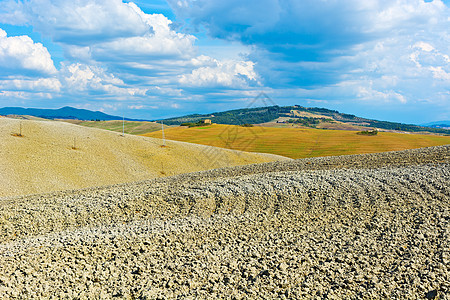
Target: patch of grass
<point>196,124</point>
<point>298,142</point>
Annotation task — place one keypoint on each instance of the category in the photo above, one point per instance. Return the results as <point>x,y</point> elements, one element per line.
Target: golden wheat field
<point>299,142</point>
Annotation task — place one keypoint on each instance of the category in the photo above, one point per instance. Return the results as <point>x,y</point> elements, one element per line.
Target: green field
<point>298,142</point>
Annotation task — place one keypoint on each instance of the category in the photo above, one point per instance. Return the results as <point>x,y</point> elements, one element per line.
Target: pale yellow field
<point>299,142</point>
<point>43,159</point>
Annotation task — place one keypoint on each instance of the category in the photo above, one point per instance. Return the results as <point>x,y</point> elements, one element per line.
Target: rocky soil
<point>352,227</point>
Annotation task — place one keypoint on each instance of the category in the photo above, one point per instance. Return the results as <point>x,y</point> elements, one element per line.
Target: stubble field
<point>299,142</point>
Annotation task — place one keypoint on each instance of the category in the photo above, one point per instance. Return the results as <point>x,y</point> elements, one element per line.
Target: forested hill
<point>266,114</point>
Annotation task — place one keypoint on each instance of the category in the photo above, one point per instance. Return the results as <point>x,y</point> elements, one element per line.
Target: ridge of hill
<point>66,112</point>
<point>308,116</point>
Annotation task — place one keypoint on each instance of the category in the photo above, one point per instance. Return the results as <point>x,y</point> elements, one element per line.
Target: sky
<point>380,59</point>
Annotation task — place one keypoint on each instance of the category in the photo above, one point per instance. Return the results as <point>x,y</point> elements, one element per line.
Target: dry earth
<point>371,226</point>
<point>43,159</point>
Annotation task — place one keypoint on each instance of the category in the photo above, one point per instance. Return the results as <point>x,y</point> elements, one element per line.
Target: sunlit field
<point>298,142</point>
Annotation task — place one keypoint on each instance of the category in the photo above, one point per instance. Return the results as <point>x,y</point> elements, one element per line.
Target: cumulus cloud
<point>368,93</point>
<point>12,12</point>
<point>440,73</point>
<point>104,30</point>
<point>22,96</point>
<point>160,43</point>
<point>79,78</point>
<point>19,55</point>
<point>230,74</point>
<point>34,85</point>
<point>80,22</point>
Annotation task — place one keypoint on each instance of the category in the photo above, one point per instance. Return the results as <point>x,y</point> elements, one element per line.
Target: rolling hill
<point>51,156</point>
<point>298,142</point>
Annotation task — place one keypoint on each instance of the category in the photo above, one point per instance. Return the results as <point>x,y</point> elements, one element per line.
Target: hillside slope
<point>44,160</point>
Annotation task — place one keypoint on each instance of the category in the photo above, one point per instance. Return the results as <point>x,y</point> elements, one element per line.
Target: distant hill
<point>438,124</point>
<point>298,114</point>
<point>61,113</point>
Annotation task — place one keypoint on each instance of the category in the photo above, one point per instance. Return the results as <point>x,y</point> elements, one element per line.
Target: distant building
<point>207,121</point>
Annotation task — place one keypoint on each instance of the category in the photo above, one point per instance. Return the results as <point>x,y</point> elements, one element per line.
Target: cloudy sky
<point>382,59</point>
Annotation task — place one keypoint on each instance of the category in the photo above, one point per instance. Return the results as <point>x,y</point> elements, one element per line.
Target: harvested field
<point>52,156</point>
<point>130,127</point>
<point>299,142</point>
<point>355,227</point>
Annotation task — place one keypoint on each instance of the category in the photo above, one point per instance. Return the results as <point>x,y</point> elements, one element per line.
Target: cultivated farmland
<point>299,142</point>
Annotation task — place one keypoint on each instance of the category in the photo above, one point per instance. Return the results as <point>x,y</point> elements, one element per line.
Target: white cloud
<point>20,55</point>
<point>79,78</point>
<point>35,85</point>
<point>24,95</point>
<point>424,46</point>
<point>429,59</point>
<point>370,94</point>
<point>106,30</point>
<point>232,74</point>
<point>439,73</point>
<point>402,14</point>
<point>161,42</point>
<point>136,106</point>
<point>12,12</point>
<point>82,22</point>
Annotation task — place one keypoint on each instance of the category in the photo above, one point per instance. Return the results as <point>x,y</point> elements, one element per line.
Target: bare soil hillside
<point>51,156</point>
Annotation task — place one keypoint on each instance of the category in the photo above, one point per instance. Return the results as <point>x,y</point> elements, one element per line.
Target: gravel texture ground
<point>352,227</point>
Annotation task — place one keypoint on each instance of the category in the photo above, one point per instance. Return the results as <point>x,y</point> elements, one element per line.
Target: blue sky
<point>381,59</point>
